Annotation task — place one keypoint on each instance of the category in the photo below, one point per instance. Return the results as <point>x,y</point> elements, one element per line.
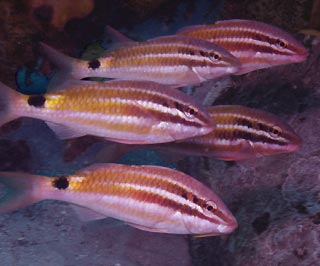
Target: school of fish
<point>142,106</point>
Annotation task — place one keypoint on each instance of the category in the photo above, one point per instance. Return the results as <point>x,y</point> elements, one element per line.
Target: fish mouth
<point>229,223</point>
<point>293,147</point>
<point>222,229</point>
<point>228,228</point>
<point>299,57</point>
<point>295,144</point>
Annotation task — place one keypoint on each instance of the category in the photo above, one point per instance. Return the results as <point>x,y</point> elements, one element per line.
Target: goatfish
<point>256,44</point>
<point>132,112</point>
<point>171,60</point>
<point>150,198</point>
<point>241,133</point>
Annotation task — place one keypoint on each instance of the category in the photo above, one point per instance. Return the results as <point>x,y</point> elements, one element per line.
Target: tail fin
<point>7,99</point>
<point>20,190</point>
<point>66,65</point>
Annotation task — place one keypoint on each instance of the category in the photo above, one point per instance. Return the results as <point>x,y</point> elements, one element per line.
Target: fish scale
<point>134,112</point>
<point>173,60</point>
<point>151,198</point>
<point>257,45</point>
<point>241,133</point>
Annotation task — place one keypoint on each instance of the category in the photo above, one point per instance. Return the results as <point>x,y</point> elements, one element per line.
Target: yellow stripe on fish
<point>136,112</point>
<point>241,133</point>
<point>256,44</point>
<point>151,198</point>
<point>172,60</point>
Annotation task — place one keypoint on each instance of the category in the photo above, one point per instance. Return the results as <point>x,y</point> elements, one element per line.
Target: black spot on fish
<point>203,53</point>
<point>37,100</point>
<point>261,126</point>
<point>261,223</point>
<point>61,182</point>
<point>244,122</point>
<point>179,106</point>
<point>258,37</point>
<point>190,52</point>
<point>94,64</point>
<point>185,195</point>
<point>165,104</point>
<point>195,200</point>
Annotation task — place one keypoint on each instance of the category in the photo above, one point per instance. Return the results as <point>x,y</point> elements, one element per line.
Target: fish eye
<point>281,44</point>
<point>275,132</point>
<point>191,111</point>
<point>209,206</point>
<point>215,56</point>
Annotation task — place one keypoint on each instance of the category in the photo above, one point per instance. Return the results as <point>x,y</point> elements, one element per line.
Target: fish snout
<point>205,123</point>
<point>228,227</point>
<point>295,143</point>
<point>300,57</point>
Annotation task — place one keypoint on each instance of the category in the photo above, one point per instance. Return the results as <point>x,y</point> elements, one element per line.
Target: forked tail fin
<point>7,99</point>
<point>20,190</point>
<point>67,66</point>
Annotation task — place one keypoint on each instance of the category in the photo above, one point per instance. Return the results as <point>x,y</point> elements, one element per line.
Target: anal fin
<point>147,228</point>
<point>87,215</point>
<point>64,132</point>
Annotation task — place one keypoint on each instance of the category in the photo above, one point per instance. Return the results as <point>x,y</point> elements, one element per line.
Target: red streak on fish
<point>133,112</point>
<point>173,60</point>
<point>256,44</point>
<point>151,198</point>
<point>241,133</point>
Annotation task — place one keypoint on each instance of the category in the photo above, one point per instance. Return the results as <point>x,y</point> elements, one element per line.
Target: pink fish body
<point>241,133</point>
<point>134,112</point>
<point>172,60</point>
<point>256,44</point>
<point>150,198</point>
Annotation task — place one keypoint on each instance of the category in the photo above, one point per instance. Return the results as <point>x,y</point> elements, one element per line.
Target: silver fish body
<point>134,112</point>
<point>151,198</point>
<point>241,133</point>
<point>257,45</point>
<point>172,60</point>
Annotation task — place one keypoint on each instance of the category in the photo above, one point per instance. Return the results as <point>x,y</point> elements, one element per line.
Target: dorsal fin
<point>116,36</point>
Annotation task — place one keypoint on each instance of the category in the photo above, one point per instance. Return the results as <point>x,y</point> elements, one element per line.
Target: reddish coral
<point>59,12</point>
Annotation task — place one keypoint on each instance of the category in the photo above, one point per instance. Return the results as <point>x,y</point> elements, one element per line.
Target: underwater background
<point>276,199</point>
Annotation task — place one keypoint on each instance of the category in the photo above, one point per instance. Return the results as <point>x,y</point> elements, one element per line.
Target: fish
<point>132,112</point>
<point>172,60</point>
<point>256,44</point>
<point>241,133</point>
<point>150,198</point>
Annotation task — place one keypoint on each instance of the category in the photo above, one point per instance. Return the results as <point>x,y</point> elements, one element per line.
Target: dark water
<point>275,199</point>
